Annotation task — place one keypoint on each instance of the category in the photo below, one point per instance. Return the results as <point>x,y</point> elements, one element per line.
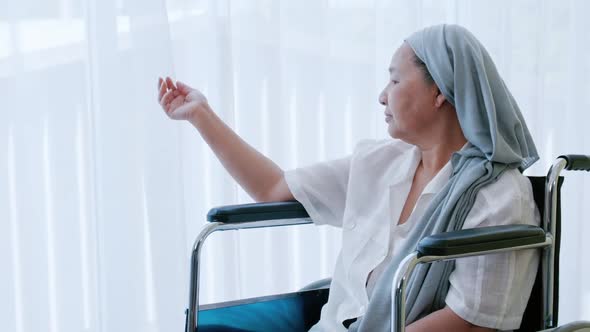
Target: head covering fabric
<point>498,140</point>
<point>466,75</point>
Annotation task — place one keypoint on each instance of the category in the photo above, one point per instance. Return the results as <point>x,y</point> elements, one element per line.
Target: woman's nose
<point>383,98</point>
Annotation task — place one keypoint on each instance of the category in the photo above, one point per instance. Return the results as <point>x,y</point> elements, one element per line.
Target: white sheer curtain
<point>101,196</point>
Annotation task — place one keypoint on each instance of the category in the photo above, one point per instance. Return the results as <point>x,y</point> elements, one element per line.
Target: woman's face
<point>408,98</point>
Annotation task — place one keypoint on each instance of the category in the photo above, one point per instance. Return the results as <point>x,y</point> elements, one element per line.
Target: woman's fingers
<point>168,93</point>
<point>170,83</point>
<point>176,102</point>
<point>162,89</point>
<point>167,98</point>
<point>183,87</point>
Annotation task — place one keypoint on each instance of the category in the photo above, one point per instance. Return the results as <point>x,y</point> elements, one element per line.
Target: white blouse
<point>364,194</point>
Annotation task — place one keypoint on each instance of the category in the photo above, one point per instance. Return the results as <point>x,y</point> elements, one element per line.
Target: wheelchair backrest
<point>533,315</point>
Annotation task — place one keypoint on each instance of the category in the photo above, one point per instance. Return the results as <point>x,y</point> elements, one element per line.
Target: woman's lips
<point>388,117</point>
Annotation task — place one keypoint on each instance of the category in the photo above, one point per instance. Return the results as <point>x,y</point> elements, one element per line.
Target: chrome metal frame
<point>408,264</point>
<point>191,313</point>
<point>550,225</point>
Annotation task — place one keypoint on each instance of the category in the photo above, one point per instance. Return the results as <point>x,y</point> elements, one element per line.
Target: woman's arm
<point>444,320</point>
<point>260,177</point>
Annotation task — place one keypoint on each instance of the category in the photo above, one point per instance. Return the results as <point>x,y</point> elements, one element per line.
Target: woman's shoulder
<point>508,200</point>
<point>510,183</point>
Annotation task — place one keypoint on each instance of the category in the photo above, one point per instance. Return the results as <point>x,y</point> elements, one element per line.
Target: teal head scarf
<point>466,75</point>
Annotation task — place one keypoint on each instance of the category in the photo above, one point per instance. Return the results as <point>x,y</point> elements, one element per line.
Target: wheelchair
<point>303,308</point>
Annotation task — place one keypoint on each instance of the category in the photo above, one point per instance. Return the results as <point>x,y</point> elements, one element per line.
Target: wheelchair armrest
<point>480,239</point>
<point>257,212</point>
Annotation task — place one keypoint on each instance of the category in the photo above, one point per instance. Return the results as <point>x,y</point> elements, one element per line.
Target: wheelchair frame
<point>438,247</point>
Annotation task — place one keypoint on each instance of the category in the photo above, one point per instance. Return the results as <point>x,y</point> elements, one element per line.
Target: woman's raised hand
<point>180,101</point>
<point>258,175</point>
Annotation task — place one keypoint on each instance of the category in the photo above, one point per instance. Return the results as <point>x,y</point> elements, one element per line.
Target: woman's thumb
<point>183,87</point>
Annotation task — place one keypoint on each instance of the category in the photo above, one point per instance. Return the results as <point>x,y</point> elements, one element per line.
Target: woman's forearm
<point>258,175</point>
<point>444,320</point>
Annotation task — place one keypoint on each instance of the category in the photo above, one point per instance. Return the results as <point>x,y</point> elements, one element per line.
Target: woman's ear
<point>440,99</point>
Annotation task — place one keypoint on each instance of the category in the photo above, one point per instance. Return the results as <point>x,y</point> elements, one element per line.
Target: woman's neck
<point>445,138</point>
<point>436,155</point>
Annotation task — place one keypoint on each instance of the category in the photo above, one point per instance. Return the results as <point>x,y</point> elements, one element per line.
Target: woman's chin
<point>393,131</point>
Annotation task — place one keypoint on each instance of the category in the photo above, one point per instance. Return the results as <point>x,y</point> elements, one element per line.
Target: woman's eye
<point>394,82</point>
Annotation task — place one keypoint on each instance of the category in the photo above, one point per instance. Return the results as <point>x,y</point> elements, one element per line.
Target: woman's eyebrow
<point>391,69</point>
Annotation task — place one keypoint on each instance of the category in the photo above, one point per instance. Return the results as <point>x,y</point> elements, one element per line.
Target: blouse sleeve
<point>321,188</point>
<point>493,290</point>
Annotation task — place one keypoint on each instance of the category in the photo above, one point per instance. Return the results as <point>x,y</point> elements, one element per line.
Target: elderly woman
<point>459,146</point>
